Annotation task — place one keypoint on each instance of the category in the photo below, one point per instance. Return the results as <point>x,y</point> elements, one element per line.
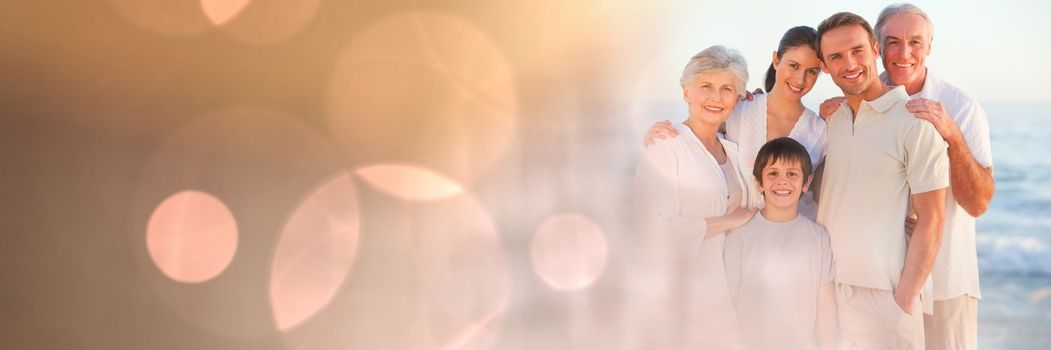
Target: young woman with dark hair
<point>794,69</point>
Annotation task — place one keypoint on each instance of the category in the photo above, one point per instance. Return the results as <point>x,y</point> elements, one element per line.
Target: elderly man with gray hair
<point>905,33</point>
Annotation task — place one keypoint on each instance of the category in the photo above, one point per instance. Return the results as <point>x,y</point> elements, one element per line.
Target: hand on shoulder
<point>934,112</point>
<point>830,106</point>
<point>659,131</point>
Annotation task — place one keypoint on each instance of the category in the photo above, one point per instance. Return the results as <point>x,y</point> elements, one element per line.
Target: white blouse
<point>678,184</point>
<point>747,127</point>
<point>736,196</point>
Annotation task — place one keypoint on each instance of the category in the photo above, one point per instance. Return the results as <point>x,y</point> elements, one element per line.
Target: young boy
<point>779,265</point>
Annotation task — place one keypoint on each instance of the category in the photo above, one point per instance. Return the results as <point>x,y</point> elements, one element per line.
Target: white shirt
<point>678,184</point>
<point>874,163</point>
<point>747,127</point>
<point>956,268</point>
<point>775,271</point>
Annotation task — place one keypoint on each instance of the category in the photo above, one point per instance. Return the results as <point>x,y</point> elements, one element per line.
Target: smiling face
<point>711,96</point>
<point>906,39</point>
<point>782,182</point>
<point>797,70</point>
<point>850,58</point>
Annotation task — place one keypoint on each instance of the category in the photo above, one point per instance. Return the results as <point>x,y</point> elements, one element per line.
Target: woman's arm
<point>736,218</point>
<point>657,199</point>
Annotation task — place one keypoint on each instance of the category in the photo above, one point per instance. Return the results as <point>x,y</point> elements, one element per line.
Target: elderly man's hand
<point>830,106</point>
<point>659,130</point>
<point>934,112</point>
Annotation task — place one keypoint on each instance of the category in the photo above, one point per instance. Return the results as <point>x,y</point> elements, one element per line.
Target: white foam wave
<point>1014,255</point>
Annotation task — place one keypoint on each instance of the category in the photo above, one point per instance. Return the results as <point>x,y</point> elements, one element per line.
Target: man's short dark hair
<point>782,149</point>
<point>842,19</point>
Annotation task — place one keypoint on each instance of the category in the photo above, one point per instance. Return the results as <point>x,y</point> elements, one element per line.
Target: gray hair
<point>717,58</point>
<point>900,8</point>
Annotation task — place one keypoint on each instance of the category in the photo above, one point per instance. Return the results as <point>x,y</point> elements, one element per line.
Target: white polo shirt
<point>873,164</point>
<point>956,269</point>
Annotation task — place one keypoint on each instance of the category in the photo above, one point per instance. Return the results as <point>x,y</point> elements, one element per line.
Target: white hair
<point>717,58</point>
<point>900,8</point>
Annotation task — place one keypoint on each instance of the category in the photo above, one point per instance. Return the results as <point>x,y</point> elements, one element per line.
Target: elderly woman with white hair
<point>689,191</point>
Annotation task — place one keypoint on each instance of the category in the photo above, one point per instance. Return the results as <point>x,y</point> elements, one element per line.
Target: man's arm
<point>972,184</point>
<point>923,248</point>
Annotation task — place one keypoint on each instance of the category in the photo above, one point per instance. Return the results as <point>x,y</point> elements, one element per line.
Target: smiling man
<point>879,158</point>
<point>905,34</point>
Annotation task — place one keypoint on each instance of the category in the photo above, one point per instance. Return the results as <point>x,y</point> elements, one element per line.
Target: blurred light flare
<point>463,270</point>
<point>432,275</point>
<point>477,118</point>
<point>569,252</point>
<point>426,89</point>
<point>256,22</point>
<point>261,162</point>
<point>266,22</point>
<point>315,252</point>
<point>409,182</point>
<point>236,142</point>
<point>174,18</point>
<point>191,237</point>
<point>221,11</point>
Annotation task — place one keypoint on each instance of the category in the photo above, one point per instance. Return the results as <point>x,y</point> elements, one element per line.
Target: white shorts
<point>871,319</point>
<point>954,324</point>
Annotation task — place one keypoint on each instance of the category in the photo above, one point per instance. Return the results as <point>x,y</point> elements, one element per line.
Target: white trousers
<point>871,319</point>
<point>954,324</point>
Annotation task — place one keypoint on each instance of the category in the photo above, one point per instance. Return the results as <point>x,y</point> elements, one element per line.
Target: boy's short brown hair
<point>783,149</point>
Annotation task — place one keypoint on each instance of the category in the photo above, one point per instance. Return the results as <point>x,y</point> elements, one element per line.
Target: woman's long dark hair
<point>794,37</point>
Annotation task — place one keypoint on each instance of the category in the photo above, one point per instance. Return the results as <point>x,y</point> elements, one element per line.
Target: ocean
<point>1014,235</point>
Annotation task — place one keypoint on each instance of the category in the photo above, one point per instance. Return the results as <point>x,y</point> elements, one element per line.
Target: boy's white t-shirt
<point>774,271</point>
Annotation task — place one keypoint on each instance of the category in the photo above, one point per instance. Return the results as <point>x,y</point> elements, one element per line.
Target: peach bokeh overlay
<point>191,237</point>
<point>425,89</point>
<point>315,252</point>
<point>569,252</point>
<point>409,182</point>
